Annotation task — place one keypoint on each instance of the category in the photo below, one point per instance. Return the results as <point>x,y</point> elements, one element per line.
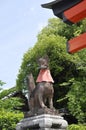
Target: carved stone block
<point>42,122</point>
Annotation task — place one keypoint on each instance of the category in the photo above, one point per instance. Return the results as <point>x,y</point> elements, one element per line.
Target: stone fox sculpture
<point>43,91</point>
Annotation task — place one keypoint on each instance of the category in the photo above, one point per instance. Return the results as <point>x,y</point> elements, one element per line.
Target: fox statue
<point>42,92</point>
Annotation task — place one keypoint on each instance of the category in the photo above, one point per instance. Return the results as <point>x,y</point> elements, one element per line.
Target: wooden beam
<point>76,44</point>
<point>76,13</point>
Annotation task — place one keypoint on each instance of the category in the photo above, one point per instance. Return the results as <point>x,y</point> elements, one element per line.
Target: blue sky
<point>20,22</point>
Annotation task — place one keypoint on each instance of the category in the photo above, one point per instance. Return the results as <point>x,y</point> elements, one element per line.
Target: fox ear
<point>46,57</point>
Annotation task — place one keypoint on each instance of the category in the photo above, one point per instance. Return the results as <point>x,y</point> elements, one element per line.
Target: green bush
<point>8,120</point>
<point>77,127</point>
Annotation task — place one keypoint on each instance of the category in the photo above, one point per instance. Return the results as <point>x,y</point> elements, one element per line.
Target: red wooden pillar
<point>76,43</point>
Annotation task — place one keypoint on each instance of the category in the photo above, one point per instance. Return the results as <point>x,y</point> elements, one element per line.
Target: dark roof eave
<point>50,4</point>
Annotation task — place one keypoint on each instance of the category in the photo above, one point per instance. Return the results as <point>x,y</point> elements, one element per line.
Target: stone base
<point>42,122</point>
<point>41,111</point>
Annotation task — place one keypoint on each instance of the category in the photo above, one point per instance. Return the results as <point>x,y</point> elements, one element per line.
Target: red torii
<point>77,43</point>
<point>76,13</point>
<point>71,12</point>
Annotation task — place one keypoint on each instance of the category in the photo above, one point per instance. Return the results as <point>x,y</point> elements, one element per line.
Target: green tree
<point>66,69</point>
<point>9,101</point>
<point>1,84</point>
<point>9,116</point>
<point>8,120</point>
<point>7,92</point>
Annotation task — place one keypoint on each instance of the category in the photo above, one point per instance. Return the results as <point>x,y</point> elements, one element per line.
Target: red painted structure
<point>76,13</point>
<point>71,12</point>
<point>76,44</point>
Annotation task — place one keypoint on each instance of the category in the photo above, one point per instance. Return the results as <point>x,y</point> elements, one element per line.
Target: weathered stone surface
<point>42,122</point>
<point>41,111</point>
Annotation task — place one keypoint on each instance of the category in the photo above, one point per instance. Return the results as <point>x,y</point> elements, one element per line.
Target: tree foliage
<point>7,92</point>
<point>1,83</point>
<point>76,127</point>
<point>8,120</point>
<point>68,71</point>
<point>9,116</point>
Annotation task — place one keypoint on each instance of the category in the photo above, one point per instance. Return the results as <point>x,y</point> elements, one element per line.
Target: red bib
<point>45,75</point>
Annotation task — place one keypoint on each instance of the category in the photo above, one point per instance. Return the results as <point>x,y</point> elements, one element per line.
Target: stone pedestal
<point>42,122</point>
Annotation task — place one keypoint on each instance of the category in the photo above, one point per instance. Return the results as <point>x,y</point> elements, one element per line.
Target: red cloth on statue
<point>45,75</point>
